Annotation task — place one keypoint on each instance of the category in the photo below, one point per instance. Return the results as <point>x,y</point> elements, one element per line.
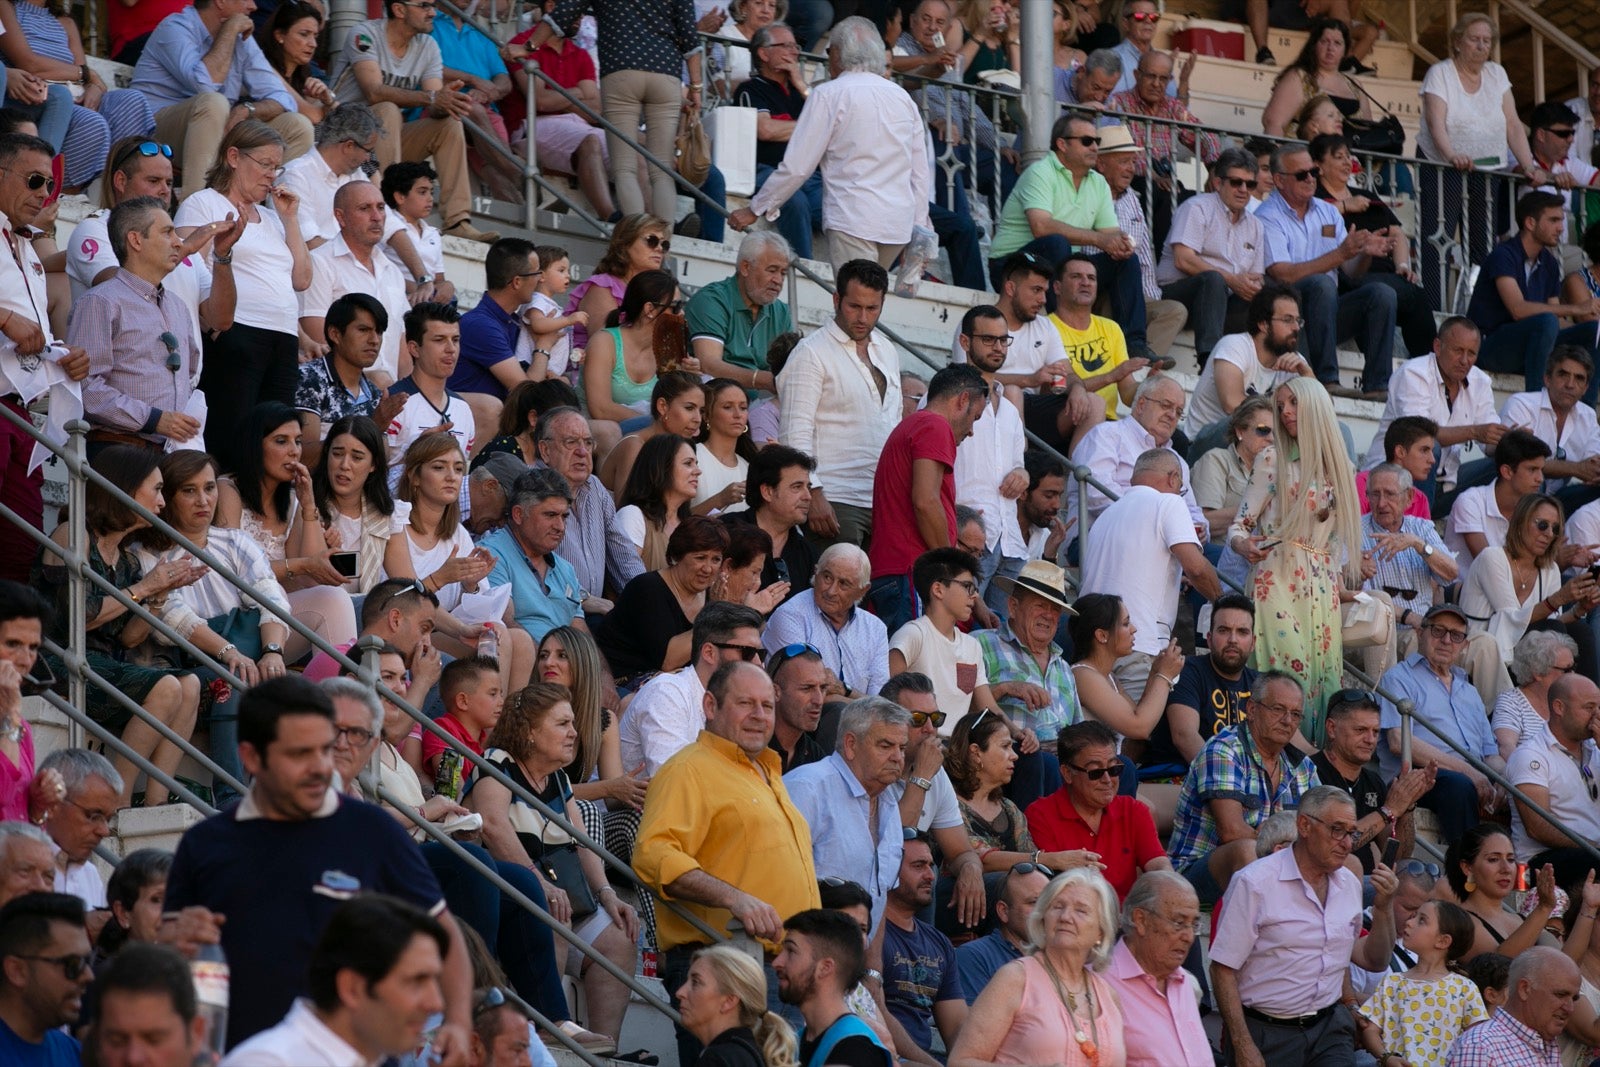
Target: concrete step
<point>1392,58</point>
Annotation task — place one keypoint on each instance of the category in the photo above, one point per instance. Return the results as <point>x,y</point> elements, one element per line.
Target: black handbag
<point>1384,137</point>
<point>562,868</point>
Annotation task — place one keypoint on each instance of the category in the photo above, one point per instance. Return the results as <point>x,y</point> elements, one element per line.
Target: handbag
<point>1383,136</point>
<point>694,149</point>
<point>1366,622</point>
<point>562,868</point>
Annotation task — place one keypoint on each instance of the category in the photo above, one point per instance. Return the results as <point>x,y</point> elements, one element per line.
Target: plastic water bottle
<point>209,969</point>
<point>489,644</point>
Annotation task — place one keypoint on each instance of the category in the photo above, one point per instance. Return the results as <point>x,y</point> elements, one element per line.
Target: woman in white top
<point>724,450</point>
<point>1517,586</point>
<point>257,358</point>
<point>745,18</point>
<point>435,548</point>
<point>351,487</point>
<point>656,498</point>
<point>1539,659</point>
<point>270,500</point>
<point>1469,121</point>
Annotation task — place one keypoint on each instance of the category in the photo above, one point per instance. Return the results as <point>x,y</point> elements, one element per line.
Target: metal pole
<point>365,652</point>
<point>77,621</point>
<point>1038,80</point>
<point>1406,709</point>
<point>529,195</point>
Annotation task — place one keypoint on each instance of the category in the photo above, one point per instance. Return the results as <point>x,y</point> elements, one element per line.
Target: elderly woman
<point>1221,475</point>
<point>1540,657</point>
<point>745,17</point>
<point>1087,817</point>
<point>1051,1006</point>
<point>1160,920</point>
<point>650,627</point>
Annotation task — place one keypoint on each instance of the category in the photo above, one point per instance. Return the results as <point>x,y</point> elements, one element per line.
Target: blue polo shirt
<point>1291,239</point>
<point>467,48</point>
<point>488,338</point>
<point>1507,260</point>
<point>539,605</point>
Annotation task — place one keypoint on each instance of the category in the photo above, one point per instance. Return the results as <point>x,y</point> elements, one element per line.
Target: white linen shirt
<point>1418,389</point>
<point>314,182</point>
<point>983,460</point>
<point>1109,451</point>
<point>1579,437</point>
<point>301,1040</point>
<point>1129,553</point>
<point>832,410</point>
<point>335,271</point>
<point>665,716</point>
<point>866,134</point>
<point>1034,345</point>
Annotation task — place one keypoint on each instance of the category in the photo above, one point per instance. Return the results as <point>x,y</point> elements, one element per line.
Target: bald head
<point>1159,469</point>
<point>1542,990</point>
<point>358,208</point>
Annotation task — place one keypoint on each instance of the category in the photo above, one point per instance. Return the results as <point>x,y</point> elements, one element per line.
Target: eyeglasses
<point>748,653</point>
<point>923,718</point>
<point>1400,594</point>
<point>787,653</point>
<point>96,818</point>
<point>1151,77</point>
<point>782,44</point>
<point>144,148</point>
<point>1282,711</point>
<point>530,273</point>
<point>1446,634</point>
<point>275,169</point>
<point>653,242</point>
<point>71,966</point>
<point>1088,140</point>
<point>1563,134</point>
<point>1416,867</point>
<point>910,833</point>
<point>1003,340</point>
<point>1301,175</point>
<point>1094,774</point>
<point>425,7</point>
<point>354,736</point>
<point>495,997</point>
<point>781,568</point>
<point>1193,926</point>
<point>1289,320</point>
<point>966,583</point>
<point>36,181</point>
<point>676,307</point>
<point>1242,183</point>
<point>174,361</point>
<point>1546,525</point>
<point>1143,16</point>
<point>1588,780</point>
<point>1029,867</point>
<point>1348,832</point>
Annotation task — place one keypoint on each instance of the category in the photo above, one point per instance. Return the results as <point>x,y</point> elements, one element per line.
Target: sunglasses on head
<point>1413,867</point>
<point>1029,867</point>
<point>143,148</point>
<point>789,652</point>
<point>652,242</point>
<point>494,998</point>
<point>1097,773</point>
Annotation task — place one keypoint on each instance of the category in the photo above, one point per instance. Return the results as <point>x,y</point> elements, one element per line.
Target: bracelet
<point>752,379</point>
<point>1551,608</point>
<point>696,86</point>
<point>222,260</point>
<point>84,80</point>
<point>1172,683</point>
<point>225,649</point>
<point>605,887</point>
<point>288,569</point>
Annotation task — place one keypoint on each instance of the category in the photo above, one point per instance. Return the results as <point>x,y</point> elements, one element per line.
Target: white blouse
<point>262,263</point>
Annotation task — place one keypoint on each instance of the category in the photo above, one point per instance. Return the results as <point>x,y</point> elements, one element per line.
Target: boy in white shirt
<point>408,196</point>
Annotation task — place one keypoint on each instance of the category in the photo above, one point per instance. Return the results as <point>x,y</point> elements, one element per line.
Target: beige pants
<point>444,140</point>
<point>195,129</point>
<point>1164,318</point>
<point>629,98</point>
<point>842,248</point>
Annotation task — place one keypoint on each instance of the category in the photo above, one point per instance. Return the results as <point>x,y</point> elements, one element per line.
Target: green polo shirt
<point>1048,186</point>
<point>719,312</point>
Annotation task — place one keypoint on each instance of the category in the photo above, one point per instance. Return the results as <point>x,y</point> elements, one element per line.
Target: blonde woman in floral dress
<point>1297,515</point>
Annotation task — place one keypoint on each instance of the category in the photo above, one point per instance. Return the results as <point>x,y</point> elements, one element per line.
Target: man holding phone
<point>1383,814</point>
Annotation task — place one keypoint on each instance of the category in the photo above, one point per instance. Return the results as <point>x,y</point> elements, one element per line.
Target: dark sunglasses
<point>1563,134</point>
<point>1115,771</point>
<point>787,653</point>
<point>37,181</point>
<point>1242,183</point>
<point>652,241</point>
<point>71,966</point>
<point>143,148</point>
<point>1399,593</point>
<point>1545,526</point>
<point>923,718</point>
<point>1030,868</point>
<point>1143,16</point>
<point>1088,140</point>
<point>1301,175</point>
<point>174,361</point>
<point>1352,696</point>
<point>748,653</point>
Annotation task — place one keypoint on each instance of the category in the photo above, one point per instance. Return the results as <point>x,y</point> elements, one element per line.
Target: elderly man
<point>1028,673</point>
<point>488,485</point>
<point>978,959</point>
<point>800,687</point>
<point>1548,766</point>
<point>1214,257</point>
<point>352,263</point>
<point>1288,933</point>
<point>1116,162</point>
<point>26,861</point>
<point>203,74</point>
<point>346,141</point>
<point>777,90</point>
<point>1160,919</point>
<point>1140,19</point>
<point>1309,249</point>
<point>1151,97</point>
<point>143,354</point>
<point>545,591</point>
<point>1142,548</point>
<point>1543,989</point>
<point>1448,388</point>
<point>1091,83</point>
<point>44,950</point>
<point>80,822</point>
<point>1110,449</point>
<point>866,135</point>
<point>855,828</point>
<point>1062,202</point>
<point>1381,813</point>
<point>1212,689</point>
<point>593,544</point>
<point>1229,791</point>
<point>1560,418</point>
<point>694,835</point>
<point>1088,813</point>
<point>854,642</point>
<point>841,400</point>
<point>778,498</point>
<point>732,322</point>
<point>1444,704</point>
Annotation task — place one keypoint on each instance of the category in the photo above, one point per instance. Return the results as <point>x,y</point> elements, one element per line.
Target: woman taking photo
<point>723,1003</point>
<point>1315,72</point>
<point>1540,657</point>
<point>1102,633</point>
<point>1050,1006</point>
<point>620,365</point>
<point>638,243</point>
<point>171,696</point>
<point>649,629</point>
<point>271,502</point>
<point>290,45</point>
<point>1482,870</point>
<point>351,490</point>
<point>655,498</point>
<point>258,357</point>
<point>725,449</point>
<point>1299,516</point>
<point>677,406</point>
<point>532,743</point>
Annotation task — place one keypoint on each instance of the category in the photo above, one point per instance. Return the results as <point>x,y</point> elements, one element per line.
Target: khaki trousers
<point>195,129</point>
<point>842,248</point>
<point>443,139</point>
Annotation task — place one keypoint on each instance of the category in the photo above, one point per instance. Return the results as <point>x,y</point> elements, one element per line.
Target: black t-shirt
<point>859,1051</point>
<point>635,634</point>
<point>782,102</point>
<point>796,564</point>
<point>1366,789</point>
<point>806,750</point>
<point>732,1048</point>
<point>1220,702</point>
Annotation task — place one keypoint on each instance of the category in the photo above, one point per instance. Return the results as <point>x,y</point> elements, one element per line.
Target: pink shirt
<point>1419,500</point>
<point>14,779</point>
<point>1169,1032</point>
<point>1041,1031</point>
<point>1291,951</point>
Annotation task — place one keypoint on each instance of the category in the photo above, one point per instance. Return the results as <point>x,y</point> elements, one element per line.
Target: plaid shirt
<point>1006,660</point>
<point>1230,768</point>
<point>1156,138</point>
<point>1503,1041</point>
<point>1130,216</point>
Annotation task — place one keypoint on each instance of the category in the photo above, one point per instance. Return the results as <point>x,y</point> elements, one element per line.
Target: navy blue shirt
<point>979,959</point>
<point>277,883</point>
<point>919,971</point>
<point>56,1050</point>
<point>1508,260</point>
<point>488,337</point>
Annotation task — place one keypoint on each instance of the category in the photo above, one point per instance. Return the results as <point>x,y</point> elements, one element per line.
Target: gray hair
<point>9,830</point>
<point>1532,963</point>
<point>1234,159</point>
<point>763,36</point>
<point>1535,653</point>
<point>359,691</point>
<point>859,46</point>
<point>348,122</point>
<point>850,555</point>
<point>758,243</point>
<point>1147,891</point>
<point>1318,799</point>
<point>1104,61</point>
<point>536,485</point>
<point>1276,829</point>
<point>1155,461</point>
<point>911,375</point>
<point>77,765</point>
<point>1152,383</point>
<point>860,716</point>
<point>966,514</point>
<point>1153,54</point>
<point>1106,910</point>
<point>131,216</point>
<point>1284,151</point>
<point>546,428</point>
<point>1401,476</point>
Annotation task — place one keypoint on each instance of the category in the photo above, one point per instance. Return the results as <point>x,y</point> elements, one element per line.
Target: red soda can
<point>647,960</point>
<point>1522,877</point>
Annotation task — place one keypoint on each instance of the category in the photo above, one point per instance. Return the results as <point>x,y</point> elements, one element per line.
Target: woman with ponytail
<point>1415,1017</point>
<point>723,1002</point>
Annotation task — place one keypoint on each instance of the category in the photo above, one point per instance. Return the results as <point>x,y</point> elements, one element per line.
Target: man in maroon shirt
<point>914,489</point>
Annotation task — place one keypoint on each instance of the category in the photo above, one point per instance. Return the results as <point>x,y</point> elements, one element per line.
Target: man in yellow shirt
<point>1094,344</point>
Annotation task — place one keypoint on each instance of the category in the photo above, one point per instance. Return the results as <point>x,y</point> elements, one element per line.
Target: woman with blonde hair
<point>1300,517</point>
<point>723,1003</point>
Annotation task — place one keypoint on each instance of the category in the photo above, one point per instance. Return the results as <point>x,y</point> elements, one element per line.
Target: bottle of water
<point>489,644</point>
<point>209,969</point>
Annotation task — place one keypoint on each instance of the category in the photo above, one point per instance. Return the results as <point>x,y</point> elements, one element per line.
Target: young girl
<point>1413,1018</point>
<point>548,332</point>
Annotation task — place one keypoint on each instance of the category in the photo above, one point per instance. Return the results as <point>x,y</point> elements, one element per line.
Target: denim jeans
<point>1366,314</point>
<point>893,600</point>
<point>713,224</point>
<point>800,214</point>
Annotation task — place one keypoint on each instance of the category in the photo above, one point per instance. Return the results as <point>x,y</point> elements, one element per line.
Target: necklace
<point>1083,1035</point>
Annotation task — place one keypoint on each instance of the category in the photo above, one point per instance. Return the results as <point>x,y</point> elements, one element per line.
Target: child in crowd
<point>1491,973</point>
<point>472,695</point>
<point>764,412</point>
<point>408,192</point>
<point>1418,1015</point>
<point>547,331</point>
<point>933,644</point>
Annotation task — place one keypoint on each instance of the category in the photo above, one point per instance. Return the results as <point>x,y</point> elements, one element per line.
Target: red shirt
<point>1126,842</point>
<point>124,24</point>
<point>433,744</point>
<point>896,543</point>
<point>567,68</point>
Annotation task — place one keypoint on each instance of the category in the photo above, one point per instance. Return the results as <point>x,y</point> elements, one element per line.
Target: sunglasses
<point>748,653</point>
<point>1301,175</point>
<point>1400,594</point>
<point>1143,16</point>
<point>71,966</point>
<point>1432,870</point>
<point>495,997</point>
<point>1352,696</point>
<point>36,181</point>
<point>1545,525</point>
<point>1243,183</point>
<point>174,361</point>
<point>1563,134</point>
<point>144,148</point>
<point>1031,868</point>
<point>1087,140</point>
<point>652,242</point>
<point>1097,773</point>
<point>789,652</point>
<point>923,718</point>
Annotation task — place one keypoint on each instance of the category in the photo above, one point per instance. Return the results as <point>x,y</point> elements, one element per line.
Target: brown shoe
<point>468,232</point>
<point>1337,389</point>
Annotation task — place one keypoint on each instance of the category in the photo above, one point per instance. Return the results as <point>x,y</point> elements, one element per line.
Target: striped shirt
<point>1407,570</point>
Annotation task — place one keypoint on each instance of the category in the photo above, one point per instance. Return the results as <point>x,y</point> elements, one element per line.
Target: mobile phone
<point>1267,546</point>
<point>344,563</point>
<point>1391,852</point>
<point>1594,571</point>
<point>38,680</point>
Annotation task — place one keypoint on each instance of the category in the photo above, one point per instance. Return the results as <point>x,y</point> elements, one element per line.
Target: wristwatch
<point>424,279</point>
<point>924,784</point>
<point>272,649</point>
<point>1427,550</point>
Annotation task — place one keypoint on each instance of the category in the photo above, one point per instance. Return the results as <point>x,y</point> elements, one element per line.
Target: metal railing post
<point>366,651</point>
<point>1407,709</point>
<point>77,530</point>
<point>530,67</point>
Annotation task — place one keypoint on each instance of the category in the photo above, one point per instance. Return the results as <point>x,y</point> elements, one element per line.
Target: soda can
<point>1522,877</point>
<point>647,963</point>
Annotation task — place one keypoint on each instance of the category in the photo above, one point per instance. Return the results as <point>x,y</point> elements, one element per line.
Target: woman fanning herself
<point>351,488</point>
<point>1299,518</point>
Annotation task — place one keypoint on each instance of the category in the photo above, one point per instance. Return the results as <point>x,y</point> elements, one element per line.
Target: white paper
<point>455,824</point>
<point>195,408</point>
<point>486,605</point>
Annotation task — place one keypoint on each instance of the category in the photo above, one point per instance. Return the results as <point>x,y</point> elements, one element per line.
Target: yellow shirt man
<point>1098,349</point>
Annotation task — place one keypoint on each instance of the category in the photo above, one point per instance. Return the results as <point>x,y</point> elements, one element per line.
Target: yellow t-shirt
<point>1095,351</point>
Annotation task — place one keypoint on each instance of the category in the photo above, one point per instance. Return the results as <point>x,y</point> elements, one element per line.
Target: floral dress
<point>1296,587</point>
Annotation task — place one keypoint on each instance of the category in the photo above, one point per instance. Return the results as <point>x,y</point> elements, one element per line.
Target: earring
<point>1471,886</point>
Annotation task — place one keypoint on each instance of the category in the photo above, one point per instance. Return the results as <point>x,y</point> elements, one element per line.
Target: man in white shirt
<point>866,134</point>
<point>1560,418</point>
<point>1247,364</point>
<point>346,141</point>
<point>1481,516</point>
<point>988,470</point>
<point>433,340</point>
<point>351,263</point>
<point>1550,767</point>
<point>841,400</point>
<point>376,979</point>
<point>1448,388</point>
<point>668,712</point>
<point>1140,549</point>
<point>1583,143</point>
<point>80,822</point>
<point>1552,131</point>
